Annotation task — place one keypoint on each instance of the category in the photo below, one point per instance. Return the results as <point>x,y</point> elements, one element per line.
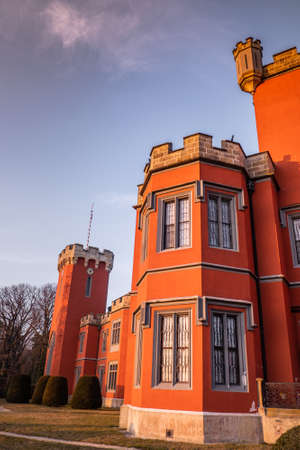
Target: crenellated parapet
<point>90,319</point>
<point>282,62</point>
<point>71,253</point>
<point>196,146</point>
<point>260,165</point>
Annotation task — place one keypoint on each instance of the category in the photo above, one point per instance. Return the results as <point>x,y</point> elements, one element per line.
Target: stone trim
<point>194,413</point>
<point>282,62</point>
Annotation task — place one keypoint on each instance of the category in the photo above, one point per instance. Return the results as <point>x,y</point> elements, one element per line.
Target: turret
<point>248,59</point>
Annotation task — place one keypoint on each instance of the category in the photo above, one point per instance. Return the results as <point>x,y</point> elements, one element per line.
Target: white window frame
<point>109,373</point>
<point>145,239</point>
<point>242,386</point>
<point>157,354</point>
<point>104,341</point>
<point>162,222</point>
<point>295,256</point>
<point>101,370</point>
<point>81,342</point>
<point>115,335</point>
<point>88,286</point>
<point>233,209</point>
<point>138,351</point>
<point>77,374</point>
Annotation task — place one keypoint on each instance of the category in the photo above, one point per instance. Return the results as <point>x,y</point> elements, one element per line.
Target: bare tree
<point>25,320</point>
<point>18,319</point>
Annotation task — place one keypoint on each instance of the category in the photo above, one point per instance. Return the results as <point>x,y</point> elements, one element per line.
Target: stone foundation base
<point>190,426</point>
<point>110,402</point>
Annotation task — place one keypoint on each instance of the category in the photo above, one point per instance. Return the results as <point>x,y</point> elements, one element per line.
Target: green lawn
<point>100,426</point>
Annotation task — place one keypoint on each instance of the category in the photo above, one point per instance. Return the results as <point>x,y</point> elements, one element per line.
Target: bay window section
<point>221,224</point>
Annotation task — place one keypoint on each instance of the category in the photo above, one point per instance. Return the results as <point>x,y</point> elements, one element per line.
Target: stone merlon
<point>71,253</point>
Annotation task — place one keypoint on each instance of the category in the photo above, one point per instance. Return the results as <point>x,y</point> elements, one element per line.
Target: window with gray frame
<point>228,355</point>
<point>173,360</point>
<point>294,225</point>
<point>221,221</point>
<point>176,223</point>
<point>81,342</point>
<point>101,373</point>
<point>138,351</point>
<point>77,375</point>
<point>88,286</point>
<point>104,340</point>
<point>115,333</point>
<point>112,376</point>
<point>50,353</point>
<point>145,237</point>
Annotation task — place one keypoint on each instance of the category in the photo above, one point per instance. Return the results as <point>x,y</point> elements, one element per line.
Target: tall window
<point>104,340</point>
<point>138,351</point>
<point>296,233</point>
<point>174,364</point>
<point>112,376</point>
<point>228,363</point>
<point>81,342</point>
<point>115,334</point>
<point>77,375</point>
<point>176,223</point>
<point>145,237</point>
<point>50,353</point>
<point>101,372</point>
<point>88,286</point>
<point>220,221</point>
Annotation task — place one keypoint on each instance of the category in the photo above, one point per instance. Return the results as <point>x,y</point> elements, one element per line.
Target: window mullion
<point>220,225</point>
<point>176,239</point>
<point>226,360</point>
<point>174,349</point>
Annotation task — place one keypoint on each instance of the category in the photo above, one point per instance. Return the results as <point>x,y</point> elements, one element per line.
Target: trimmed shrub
<point>290,440</point>
<point>39,389</point>
<point>56,392</point>
<point>87,393</point>
<point>19,389</point>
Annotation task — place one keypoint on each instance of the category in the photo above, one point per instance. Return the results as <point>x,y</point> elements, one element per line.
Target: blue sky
<point>87,88</point>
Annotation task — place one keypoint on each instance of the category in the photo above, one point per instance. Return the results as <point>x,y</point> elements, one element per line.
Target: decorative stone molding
<point>71,253</point>
<point>260,165</point>
<point>90,319</point>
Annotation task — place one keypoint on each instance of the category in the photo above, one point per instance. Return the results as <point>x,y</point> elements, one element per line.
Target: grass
<point>100,426</point>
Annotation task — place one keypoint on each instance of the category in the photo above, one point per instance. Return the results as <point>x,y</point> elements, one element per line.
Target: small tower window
<point>246,62</point>
<point>88,286</point>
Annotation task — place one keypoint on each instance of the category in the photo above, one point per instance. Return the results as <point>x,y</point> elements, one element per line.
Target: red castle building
<point>215,296</point>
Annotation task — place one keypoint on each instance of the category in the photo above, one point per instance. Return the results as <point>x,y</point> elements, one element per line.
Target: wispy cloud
<point>114,199</point>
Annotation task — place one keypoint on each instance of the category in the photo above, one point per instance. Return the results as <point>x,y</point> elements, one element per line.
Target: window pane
<point>184,222</point>
<point>183,342</point>
<point>296,223</point>
<point>169,232</point>
<point>88,286</point>
<point>226,223</point>
<point>218,346</point>
<point>115,338</point>
<point>213,226</point>
<point>167,339</point>
<point>233,357</point>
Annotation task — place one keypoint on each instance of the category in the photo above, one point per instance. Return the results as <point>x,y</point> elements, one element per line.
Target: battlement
<point>90,319</point>
<point>249,42</point>
<point>260,165</point>
<point>282,62</point>
<point>196,146</point>
<point>71,253</point>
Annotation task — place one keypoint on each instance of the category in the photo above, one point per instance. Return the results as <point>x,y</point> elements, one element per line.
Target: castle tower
<point>276,99</point>
<point>248,59</point>
<point>81,289</point>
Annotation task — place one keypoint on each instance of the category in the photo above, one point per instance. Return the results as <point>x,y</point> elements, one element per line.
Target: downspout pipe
<point>251,189</point>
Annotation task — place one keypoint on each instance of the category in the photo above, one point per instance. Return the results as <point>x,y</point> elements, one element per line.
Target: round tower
<point>248,59</point>
<point>81,289</point>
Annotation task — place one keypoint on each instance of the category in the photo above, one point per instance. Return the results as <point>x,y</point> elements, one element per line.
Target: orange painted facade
<point>215,295</point>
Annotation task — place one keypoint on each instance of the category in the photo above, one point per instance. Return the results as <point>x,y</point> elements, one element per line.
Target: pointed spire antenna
<point>90,225</point>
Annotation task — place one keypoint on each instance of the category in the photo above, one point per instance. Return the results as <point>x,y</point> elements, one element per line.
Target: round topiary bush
<point>87,394</point>
<point>56,392</point>
<point>38,392</point>
<point>290,440</point>
<point>19,389</point>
